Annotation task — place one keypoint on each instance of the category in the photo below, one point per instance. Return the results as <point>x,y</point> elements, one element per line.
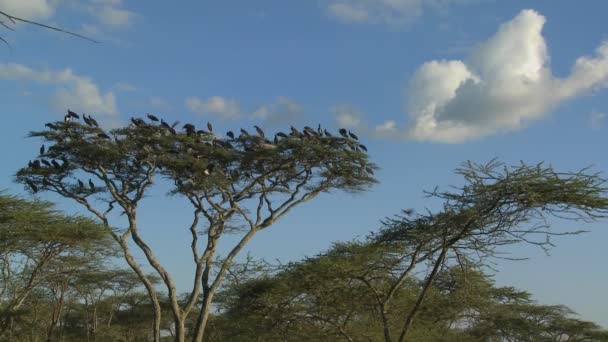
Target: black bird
<point>209,127</point>
<point>91,185</point>
<point>259,130</point>
<point>80,185</point>
<point>93,121</point>
<point>86,120</point>
<point>352,135</point>
<point>137,122</point>
<point>363,147</point>
<point>45,162</point>
<point>67,119</point>
<point>55,164</point>
<point>245,133</point>
<point>72,114</point>
<point>32,186</point>
<point>103,135</point>
<point>152,117</point>
<point>190,129</point>
<point>164,124</point>
<point>343,132</point>
<point>36,164</point>
<point>230,134</point>
<point>42,149</point>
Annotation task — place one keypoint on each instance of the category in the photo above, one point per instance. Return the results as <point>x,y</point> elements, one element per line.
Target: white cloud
<point>75,92</point>
<point>597,119</point>
<point>282,111</point>
<point>111,14</point>
<point>391,12</point>
<point>28,9</point>
<point>505,83</point>
<point>218,106</point>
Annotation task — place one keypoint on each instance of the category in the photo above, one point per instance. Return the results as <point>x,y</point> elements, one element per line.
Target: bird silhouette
<point>55,164</point>
<point>67,119</point>
<point>93,121</point>
<point>91,185</point>
<point>230,134</point>
<point>259,130</point>
<point>152,117</point>
<point>80,185</point>
<point>42,149</point>
<point>352,135</point>
<point>343,132</point>
<point>72,114</point>
<point>209,126</point>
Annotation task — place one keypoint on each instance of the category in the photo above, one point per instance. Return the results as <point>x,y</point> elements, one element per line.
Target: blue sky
<point>428,84</point>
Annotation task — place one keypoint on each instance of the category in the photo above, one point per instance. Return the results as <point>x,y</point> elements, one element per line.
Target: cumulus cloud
<point>390,12</point>
<point>28,9</point>
<point>218,106</point>
<point>73,91</point>
<point>506,82</point>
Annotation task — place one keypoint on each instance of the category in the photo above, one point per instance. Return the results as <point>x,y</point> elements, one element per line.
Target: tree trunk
<point>410,317</point>
<point>203,316</point>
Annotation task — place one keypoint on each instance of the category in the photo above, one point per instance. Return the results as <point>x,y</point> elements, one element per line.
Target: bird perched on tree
<point>343,132</point>
<point>352,135</point>
<point>230,134</point>
<point>73,115</point>
<point>91,185</point>
<point>259,130</point>
<point>93,121</point>
<point>42,149</point>
<point>152,117</point>
<point>67,119</point>
<point>209,127</point>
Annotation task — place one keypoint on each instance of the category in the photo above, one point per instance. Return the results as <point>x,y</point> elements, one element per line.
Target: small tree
<point>241,183</point>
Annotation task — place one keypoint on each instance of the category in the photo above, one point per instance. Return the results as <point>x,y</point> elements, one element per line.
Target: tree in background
<point>39,245</point>
<point>235,184</point>
<point>385,280</point>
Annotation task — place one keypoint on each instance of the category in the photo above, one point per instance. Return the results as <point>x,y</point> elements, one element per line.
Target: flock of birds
<point>250,141</point>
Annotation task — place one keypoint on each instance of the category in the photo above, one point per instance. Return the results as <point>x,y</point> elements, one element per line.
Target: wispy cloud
<point>72,91</point>
<point>282,110</point>
<point>395,13</point>
<point>218,106</point>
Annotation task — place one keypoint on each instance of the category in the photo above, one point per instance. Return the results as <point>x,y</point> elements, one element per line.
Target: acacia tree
<point>498,206</point>
<point>235,184</point>
<point>34,240</point>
